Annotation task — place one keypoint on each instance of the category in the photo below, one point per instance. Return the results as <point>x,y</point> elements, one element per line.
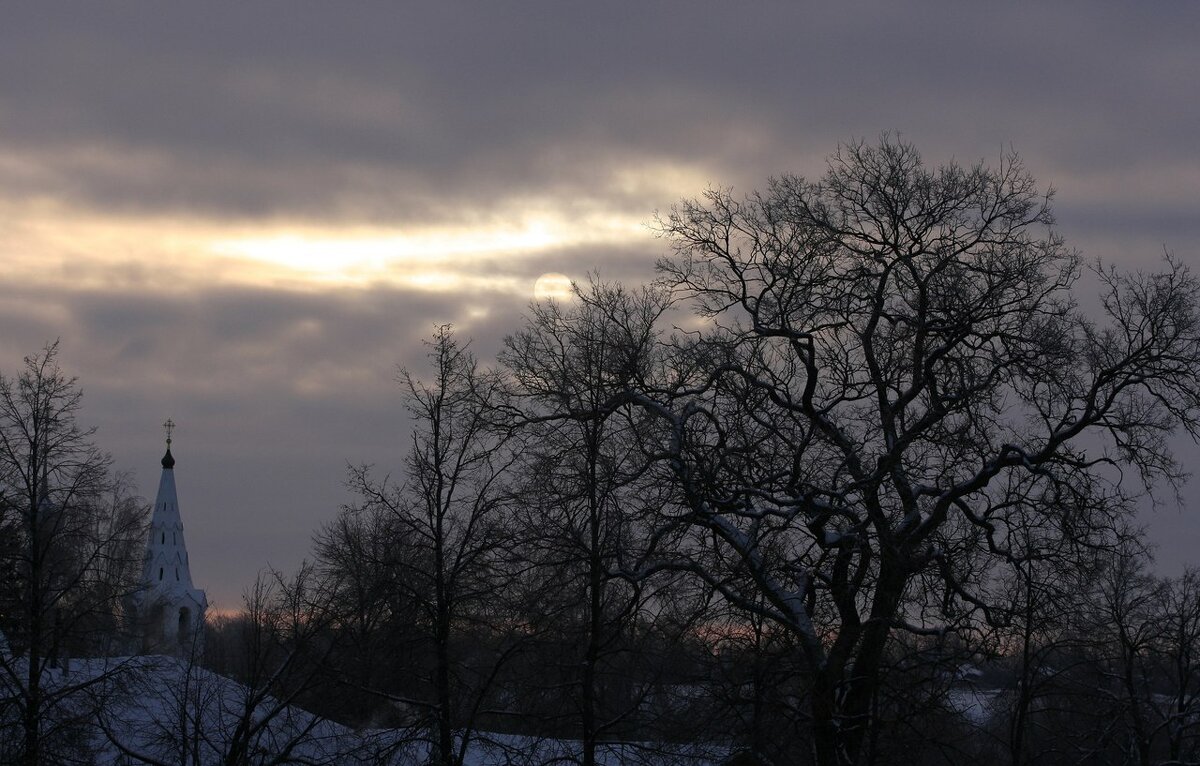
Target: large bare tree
<point>892,380</point>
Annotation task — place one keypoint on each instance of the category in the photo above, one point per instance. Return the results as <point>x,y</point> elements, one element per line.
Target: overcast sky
<point>244,217</point>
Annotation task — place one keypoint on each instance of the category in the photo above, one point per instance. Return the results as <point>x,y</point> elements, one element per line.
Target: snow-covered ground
<point>167,711</point>
<point>159,708</point>
<point>163,710</point>
<point>974,704</point>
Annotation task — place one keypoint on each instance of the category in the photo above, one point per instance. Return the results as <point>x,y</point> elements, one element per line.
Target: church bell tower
<point>169,609</point>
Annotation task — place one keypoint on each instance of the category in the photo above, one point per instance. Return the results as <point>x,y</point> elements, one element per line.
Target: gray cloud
<point>453,112</point>
<point>274,393</point>
<point>394,114</point>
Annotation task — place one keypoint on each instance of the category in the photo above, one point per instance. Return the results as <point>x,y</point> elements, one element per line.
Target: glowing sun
<point>552,285</point>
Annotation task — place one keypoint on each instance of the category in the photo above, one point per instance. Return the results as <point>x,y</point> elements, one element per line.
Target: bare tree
<point>1141,687</point>
<point>1120,616</point>
<point>70,550</point>
<point>1179,655</point>
<point>1047,580</point>
<point>585,507</point>
<point>358,556</point>
<point>891,381</point>
<point>447,538</point>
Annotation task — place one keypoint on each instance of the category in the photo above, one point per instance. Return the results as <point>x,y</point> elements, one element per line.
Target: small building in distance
<point>167,612</point>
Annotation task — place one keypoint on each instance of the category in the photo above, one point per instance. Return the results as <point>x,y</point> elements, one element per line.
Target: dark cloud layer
<point>390,111</point>
<point>274,393</point>
<point>402,115</point>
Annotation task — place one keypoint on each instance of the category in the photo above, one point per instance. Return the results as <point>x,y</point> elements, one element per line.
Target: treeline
<point>852,483</point>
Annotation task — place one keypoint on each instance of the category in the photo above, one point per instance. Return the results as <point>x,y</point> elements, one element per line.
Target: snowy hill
<point>161,710</point>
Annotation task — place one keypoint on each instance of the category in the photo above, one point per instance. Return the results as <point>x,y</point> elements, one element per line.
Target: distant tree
<point>1139,635</point>
<point>1053,561</point>
<point>443,562</point>
<point>69,552</point>
<point>358,556</point>
<point>589,504</point>
<point>1179,658</point>
<point>1121,616</point>
<point>889,377</point>
<point>754,685</point>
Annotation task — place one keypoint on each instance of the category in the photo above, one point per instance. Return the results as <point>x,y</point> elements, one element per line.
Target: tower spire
<point>170,606</point>
<point>168,460</point>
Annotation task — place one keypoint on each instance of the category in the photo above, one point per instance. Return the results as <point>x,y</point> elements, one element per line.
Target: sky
<point>245,217</point>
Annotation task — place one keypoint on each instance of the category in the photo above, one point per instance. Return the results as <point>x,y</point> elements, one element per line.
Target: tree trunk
<point>826,740</point>
<point>32,715</point>
<point>1016,739</point>
<point>445,721</point>
<point>841,703</point>
<point>595,607</point>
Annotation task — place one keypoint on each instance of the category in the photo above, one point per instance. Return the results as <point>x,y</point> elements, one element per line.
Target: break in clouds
<point>246,220</point>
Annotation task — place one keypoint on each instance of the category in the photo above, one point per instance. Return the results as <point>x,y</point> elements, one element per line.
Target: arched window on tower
<point>183,629</point>
<point>160,573</point>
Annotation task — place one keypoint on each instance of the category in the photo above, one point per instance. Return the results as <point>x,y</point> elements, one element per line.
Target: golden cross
<point>169,425</point>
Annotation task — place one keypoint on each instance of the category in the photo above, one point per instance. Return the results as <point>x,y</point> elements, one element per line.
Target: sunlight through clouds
<point>553,286</point>
<point>436,259</point>
<point>46,245</point>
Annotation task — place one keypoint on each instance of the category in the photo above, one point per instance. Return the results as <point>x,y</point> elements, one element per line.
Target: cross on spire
<point>170,426</point>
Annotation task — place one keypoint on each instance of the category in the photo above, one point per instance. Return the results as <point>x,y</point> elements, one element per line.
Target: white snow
<point>161,708</point>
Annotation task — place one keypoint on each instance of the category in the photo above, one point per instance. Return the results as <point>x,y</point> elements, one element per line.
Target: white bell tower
<point>169,608</point>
